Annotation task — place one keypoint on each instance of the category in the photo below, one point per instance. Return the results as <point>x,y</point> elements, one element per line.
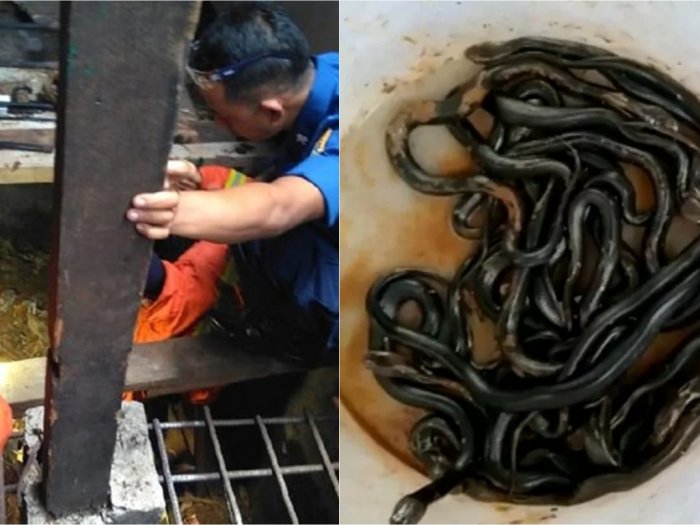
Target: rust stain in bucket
<point>428,243</point>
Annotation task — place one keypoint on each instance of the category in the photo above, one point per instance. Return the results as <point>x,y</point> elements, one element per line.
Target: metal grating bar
<point>278,473</point>
<point>174,504</point>
<point>241,422</point>
<point>249,474</point>
<point>324,453</point>
<point>266,421</point>
<point>170,480</point>
<point>234,510</point>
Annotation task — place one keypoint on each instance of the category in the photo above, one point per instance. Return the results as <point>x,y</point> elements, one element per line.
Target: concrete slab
<point>135,493</point>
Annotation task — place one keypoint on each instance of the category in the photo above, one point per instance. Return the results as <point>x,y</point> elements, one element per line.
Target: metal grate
<point>276,472</point>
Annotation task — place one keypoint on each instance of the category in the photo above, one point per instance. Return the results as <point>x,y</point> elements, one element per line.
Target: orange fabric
<point>214,177</point>
<point>190,289</point>
<point>5,423</point>
<point>139,395</point>
<point>204,396</point>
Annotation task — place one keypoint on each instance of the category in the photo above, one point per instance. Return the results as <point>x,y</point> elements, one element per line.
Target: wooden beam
<point>18,167</point>
<point>121,63</point>
<point>170,367</point>
<point>36,137</point>
<point>21,167</point>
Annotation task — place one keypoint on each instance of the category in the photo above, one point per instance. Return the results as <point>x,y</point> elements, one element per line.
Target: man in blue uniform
<point>254,69</point>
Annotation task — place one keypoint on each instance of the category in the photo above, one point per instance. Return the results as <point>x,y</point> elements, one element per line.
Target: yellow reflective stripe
<point>235,178</point>
<point>230,180</point>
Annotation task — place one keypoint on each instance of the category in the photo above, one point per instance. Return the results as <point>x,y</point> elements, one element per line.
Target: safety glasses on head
<point>203,79</point>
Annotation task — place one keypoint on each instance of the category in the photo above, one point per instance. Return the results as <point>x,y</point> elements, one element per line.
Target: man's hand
<point>182,175</point>
<point>154,213</point>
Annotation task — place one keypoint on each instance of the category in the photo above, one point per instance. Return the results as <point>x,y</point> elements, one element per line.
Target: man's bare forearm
<point>230,215</point>
<point>253,211</point>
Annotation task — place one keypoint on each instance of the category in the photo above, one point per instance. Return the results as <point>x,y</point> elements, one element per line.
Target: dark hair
<point>248,30</point>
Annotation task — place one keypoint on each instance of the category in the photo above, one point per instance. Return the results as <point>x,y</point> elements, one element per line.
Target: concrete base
<point>136,495</point>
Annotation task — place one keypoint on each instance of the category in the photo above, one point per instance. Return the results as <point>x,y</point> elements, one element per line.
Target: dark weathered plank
<point>121,64</point>
<point>170,367</point>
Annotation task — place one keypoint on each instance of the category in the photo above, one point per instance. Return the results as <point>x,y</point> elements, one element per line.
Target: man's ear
<point>273,108</point>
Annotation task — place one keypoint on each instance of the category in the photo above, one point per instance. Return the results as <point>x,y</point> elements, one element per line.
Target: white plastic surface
<point>386,49</point>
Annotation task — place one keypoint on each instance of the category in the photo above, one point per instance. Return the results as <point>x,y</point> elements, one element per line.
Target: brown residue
<point>482,120</point>
<point>355,282</point>
<point>365,170</point>
<point>534,517</point>
<point>660,350</point>
<point>681,233</point>
<point>500,507</point>
<point>475,95</point>
<point>485,349</point>
<point>388,87</point>
<point>456,164</point>
<point>431,245</point>
<point>409,39</point>
<point>386,420</point>
<point>643,186</point>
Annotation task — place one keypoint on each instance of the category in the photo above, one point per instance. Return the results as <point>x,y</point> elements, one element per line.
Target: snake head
<point>408,510</point>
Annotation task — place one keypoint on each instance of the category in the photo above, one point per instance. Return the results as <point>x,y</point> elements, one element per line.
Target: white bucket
<point>389,50</point>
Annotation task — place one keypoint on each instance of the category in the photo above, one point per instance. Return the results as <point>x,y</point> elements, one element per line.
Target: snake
<point>560,414</point>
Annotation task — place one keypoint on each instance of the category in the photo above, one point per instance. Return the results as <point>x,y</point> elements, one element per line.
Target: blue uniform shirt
<point>305,259</point>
